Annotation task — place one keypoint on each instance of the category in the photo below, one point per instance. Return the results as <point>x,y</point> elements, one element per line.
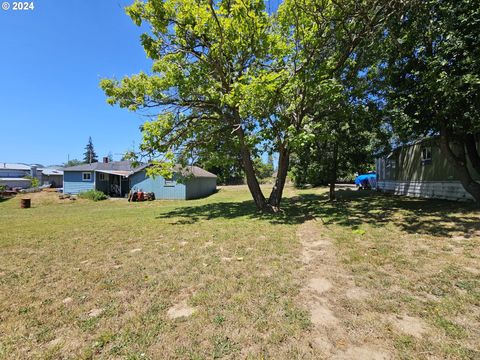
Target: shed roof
<point>194,170</point>
<point>49,172</point>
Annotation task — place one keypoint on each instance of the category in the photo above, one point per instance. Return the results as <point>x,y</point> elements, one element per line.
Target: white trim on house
<point>448,190</point>
<point>89,176</point>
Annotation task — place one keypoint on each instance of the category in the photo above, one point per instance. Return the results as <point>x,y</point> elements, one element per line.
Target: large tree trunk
<point>472,151</point>
<point>333,171</point>
<point>459,162</point>
<point>277,191</point>
<point>252,181</point>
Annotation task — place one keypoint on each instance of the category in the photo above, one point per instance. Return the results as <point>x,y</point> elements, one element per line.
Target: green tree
<point>35,182</point>
<point>89,156</point>
<point>73,162</point>
<point>263,170</point>
<point>227,70</point>
<point>223,159</point>
<point>431,73</point>
<point>206,56</point>
<point>330,44</point>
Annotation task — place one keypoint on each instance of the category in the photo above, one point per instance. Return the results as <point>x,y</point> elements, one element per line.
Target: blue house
<point>117,178</point>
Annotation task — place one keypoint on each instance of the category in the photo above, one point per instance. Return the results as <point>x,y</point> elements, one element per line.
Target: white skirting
<point>449,190</point>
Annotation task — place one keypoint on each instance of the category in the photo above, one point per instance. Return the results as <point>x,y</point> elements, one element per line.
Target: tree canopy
<point>430,68</point>
<point>229,72</point>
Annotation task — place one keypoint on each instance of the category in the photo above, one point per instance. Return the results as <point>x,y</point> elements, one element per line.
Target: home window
<point>169,182</point>
<point>86,176</point>
<point>103,177</point>
<point>426,155</point>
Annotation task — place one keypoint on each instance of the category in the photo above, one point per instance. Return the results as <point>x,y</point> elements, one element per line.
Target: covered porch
<point>112,182</point>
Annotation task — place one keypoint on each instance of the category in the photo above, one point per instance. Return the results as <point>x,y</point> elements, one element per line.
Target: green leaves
<point>433,77</point>
<point>229,76</point>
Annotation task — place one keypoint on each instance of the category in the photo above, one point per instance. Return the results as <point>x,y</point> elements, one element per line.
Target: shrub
<point>94,195</point>
<point>34,181</point>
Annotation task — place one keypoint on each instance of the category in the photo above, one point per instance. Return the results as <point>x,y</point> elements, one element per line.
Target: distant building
<point>117,178</point>
<point>51,176</point>
<point>421,170</point>
<point>14,175</point>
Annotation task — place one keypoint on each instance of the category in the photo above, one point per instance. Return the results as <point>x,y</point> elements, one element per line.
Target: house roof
<point>13,166</point>
<point>193,170</point>
<point>189,170</point>
<point>124,168</point>
<point>49,172</point>
<point>112,165</point>
<point>14,179</point>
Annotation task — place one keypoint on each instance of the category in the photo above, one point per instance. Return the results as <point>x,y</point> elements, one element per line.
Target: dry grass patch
<point>407,278</point>
<point>107,280</point>
<point>378,277</point>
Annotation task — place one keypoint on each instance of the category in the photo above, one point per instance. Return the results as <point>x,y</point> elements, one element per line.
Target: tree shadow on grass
<point>352,209</point>
<point>2,199</point>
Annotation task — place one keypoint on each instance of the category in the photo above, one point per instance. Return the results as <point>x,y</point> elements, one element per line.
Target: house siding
<point>140,181</point>
<point>73,183</point>
<point>200,187</point>
<point>448,190</point>
<point>12,173</point>
<point>410,177</point>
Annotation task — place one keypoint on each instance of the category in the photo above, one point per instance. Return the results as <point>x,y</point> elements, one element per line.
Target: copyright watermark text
<point>18,5</point>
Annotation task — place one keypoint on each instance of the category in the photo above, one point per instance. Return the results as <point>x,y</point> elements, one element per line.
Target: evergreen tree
<point>89,156</point>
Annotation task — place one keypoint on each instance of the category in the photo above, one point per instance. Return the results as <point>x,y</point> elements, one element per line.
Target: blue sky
<point>51,61</point>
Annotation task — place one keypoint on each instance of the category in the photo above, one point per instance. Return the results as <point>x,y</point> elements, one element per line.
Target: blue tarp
<point>366,180</point>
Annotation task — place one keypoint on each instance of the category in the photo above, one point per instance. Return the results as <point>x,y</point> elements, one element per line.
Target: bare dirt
<point>326,286</point>
<point>410,325</point>
<point>180,309</point>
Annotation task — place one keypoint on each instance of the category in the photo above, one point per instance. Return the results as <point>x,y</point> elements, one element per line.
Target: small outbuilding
<point>52,177</point>
<point>190,182</point>
<point>117,178</point>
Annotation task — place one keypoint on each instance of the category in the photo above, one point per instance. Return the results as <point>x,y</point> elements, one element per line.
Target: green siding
<point>409,167</point>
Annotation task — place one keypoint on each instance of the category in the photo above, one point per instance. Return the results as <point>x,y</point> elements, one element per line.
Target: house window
<point>86,176</point>
<point>426,155</point>
<point>169,182</point>
<point>391,164</point>
<point>103,177</point>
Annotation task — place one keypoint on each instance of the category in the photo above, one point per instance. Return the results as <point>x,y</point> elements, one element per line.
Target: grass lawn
<point>368,276</point>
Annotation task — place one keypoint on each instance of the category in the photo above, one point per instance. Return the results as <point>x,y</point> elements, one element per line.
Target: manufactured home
<point>421,170</point>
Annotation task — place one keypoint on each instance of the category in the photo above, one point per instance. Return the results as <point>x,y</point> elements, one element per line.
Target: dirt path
<point>341,330</point>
